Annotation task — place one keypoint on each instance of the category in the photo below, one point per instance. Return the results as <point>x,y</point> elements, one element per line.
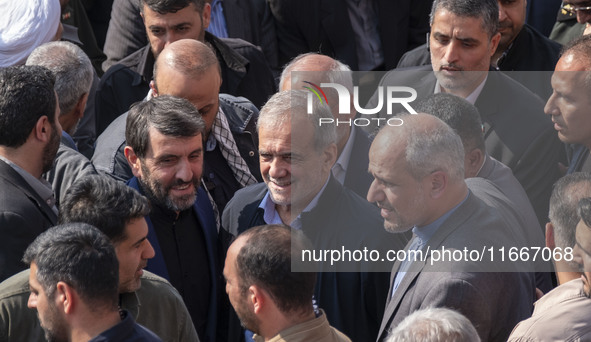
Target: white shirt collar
<point>473,95</point>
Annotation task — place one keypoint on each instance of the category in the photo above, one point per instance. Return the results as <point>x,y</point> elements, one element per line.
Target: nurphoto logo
<point>344,103</point>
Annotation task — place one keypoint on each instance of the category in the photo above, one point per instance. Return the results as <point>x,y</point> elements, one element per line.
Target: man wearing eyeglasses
<point>581,9</point>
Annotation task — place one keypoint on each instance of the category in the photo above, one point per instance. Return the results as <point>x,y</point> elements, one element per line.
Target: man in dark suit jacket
<point>325,26</point>
<point>419,184</point>
<point>353,143</point>
<point>28,144</point>
<point>300,191</point>
<point>248,20</point>
<point>165,151</point>
<point>515,131</point>
<point>521,48</point>
<point>244,70</point>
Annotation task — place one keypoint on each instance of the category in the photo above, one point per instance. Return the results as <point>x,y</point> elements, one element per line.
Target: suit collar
<point>453,222</point>
<point>11,176</point>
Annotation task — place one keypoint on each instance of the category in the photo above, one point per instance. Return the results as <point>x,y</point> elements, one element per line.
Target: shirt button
<point>251,153</point>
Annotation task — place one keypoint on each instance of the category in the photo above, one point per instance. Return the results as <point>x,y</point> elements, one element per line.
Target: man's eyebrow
<point>140,241</point>
<point>440,35</point>
<point>467,40</point>
<point>181,24</point>
<point>165,156</point>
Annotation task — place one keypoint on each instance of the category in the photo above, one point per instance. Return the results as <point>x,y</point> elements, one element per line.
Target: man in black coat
<point>300,191</point>
<point>337,28</point>
<point>521,50</point>
<point>244,69</point>
<point>28,144</point>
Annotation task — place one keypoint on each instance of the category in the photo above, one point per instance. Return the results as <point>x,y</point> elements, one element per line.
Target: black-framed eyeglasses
<point>572,10</point>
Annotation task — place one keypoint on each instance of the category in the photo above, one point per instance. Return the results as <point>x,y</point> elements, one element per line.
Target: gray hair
<point>337,72</point>
<point>487,10</point>
<point>584,212</point>
<point>284,105</point>
<point>434,325</point>
<point>71,67</point>
<point>459,114</point>
<point>567,193</point>
<point>437,148</point>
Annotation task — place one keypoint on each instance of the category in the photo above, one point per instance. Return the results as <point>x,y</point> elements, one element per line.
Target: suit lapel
<point>357,178</point>
<point>449,226</point>
<point>393,302</point>
<point>487,104</point>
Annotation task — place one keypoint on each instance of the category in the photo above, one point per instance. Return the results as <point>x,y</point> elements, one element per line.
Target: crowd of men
<point>195,172</point>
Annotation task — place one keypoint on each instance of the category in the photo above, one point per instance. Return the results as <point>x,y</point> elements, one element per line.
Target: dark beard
<point>50,150</point>
<point>158,194</point>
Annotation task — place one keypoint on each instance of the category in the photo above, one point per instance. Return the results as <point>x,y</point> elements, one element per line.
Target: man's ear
<point>81,105</point>
<point>134,161</point>
<point>206,15</point>
<point>257,298</point>
<point>42,131</point>
<point>153,88</point>
<point>65,297</point>
<point>494,43</point>
<point>437,183</point>
<point>142,12</point>
<point>330,155</point>
<point>473,161</point>
<point>550,243</point>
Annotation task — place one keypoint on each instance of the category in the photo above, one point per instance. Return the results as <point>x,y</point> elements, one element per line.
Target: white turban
<point>24,25</point>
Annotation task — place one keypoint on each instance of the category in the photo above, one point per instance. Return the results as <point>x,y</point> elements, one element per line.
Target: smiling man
<point>189,69</point>
<point>118,211</point>
<point>296,157</point>
<point>165,151</point>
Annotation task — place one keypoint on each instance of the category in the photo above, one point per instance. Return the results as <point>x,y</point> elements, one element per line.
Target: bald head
<point>187,56</point>
<point>190,70</point>
<point>311,63</point>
